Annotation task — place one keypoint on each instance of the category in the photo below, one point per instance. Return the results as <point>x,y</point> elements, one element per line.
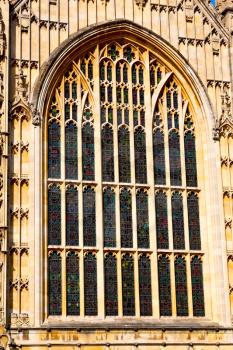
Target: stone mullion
<point>119,284</point>
<point>63,281</point>
<point>118,228</point>
<point>134,228</point>
<point>166,139</point>
<point>98,190</point>
<point>185,213</point>
<point>81,283</point>
<point>151,192</point>
<point>131,129</point>
<point>115,126</point>
<point>136,285</point>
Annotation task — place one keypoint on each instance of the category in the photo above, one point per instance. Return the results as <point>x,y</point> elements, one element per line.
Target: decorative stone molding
<point>224,125</point>
<point>21,319</point>
<point>36,118</point>
<point>24,63</point>
<point>141,3</point>
<point>2,36</point>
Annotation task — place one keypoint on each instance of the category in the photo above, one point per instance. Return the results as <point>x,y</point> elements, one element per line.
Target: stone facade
<point>38,39</point>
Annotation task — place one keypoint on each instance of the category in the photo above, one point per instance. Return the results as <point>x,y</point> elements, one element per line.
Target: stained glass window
<point>72,232</point>
<point>145,285</point>
<point>71,153</point>
<point>165,303</point>
<point>54,284</point>
<point>88,156</point>
<point>197,287</point>
<point>54,151</point>
<point>90,285</point>
<point>128,299</point>
<point>110,286</point>
<point>194,222</point>
<point>140,156</point>
<point>159,158</point>
<point>109,218</point>
<point>142,219</point>
<point>181,287</point>
<point>190,159</point>
<point>161,220</point>
<point>54,215</point>
<point>124,154</point>
<point>107,153</point>
<point>72,284</point>
<point>174,158</point>
<point>178,221</point>
<point>89,217</point>
<point>126,218</point>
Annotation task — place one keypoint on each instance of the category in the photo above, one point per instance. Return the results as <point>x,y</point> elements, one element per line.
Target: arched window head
<point>121,192</point>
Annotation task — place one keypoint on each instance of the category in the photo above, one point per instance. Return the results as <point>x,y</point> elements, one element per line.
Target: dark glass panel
<point>89,217</point>
<point>67,89</point>
<point>142,97</point>
<point>174,158</point>
<point>54,284</point>
<point>102,71</point>
<point>141,79</point>
<point>142,219</point>
<point>134,75</point>
<point>72,284</point>
<point>142,117</point>
<point>152,76</point>
<point>135,96</point>
<point>126,116</point>
<point>110,279</point>
<point>102,93</point>
<point>109,94</point>
<point>168,99</point>
<point>107,154</point>
<point>90,70</point>
<point>128,299</point>
<point>126,219</point>
<point>71,151</point>
<point>159,75</point>
<point>165,302</point>
<point>74,112</point>
<point>126,97</point>
<point>90,285</point>
<point>74,91</point>
<point>118,91</point>
<point>181,287</point>
<point>124,155</point>
<point>169,120</point>
<point>83,67</point>
<point>128,54</point>
<point>190,160</point>
<point>159,158</point>
<point>109,72</point>
<point>67,111</point>
<point>161,220</point>
<point>145,286</point>
<point>140,156</point>
<point>54,215</point>
<point>178,221</point>
<point>113,53</point>
<point>109,218</point>
<point>54,150</point>
<point>119,117</point>
<point>176,119</point>
<point>175,100</point>
<point>125,74</point>
<point>197,287</point>
<point>118,73</point>
<point>194,222</point>
<point>103,115</point>
<point>72,230</point>
<point>88,154</point>
<point>135,118</point>
<point>110,115</point>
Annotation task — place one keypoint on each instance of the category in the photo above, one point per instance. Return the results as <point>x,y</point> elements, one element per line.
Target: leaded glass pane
<point>161,220</point>
<point>110,284</point>
<point>140,156</point>
<point>194,222</point>
<point>107,154</point>
<point>72,227</point>
<point>159,158</point>
<point>54,215</point>
<point>109,218</point>
<point>142,219</point>
<point>165,302</point>
<point>88,155</point>
<point>190,159</point>
<point>174,158</point>
<point>128,299</point>
<point>124,155</point>
<point>178,221</point>
<point>71,151</point>
<point>89,217</point>
<point>54,284</point>
<point>181,287</point>
<point>90,285</point>
<point>145,286</point>
<point>126,218</point>
<point>197,287</point>
<point>72,284</point>
<point>54,151</point>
